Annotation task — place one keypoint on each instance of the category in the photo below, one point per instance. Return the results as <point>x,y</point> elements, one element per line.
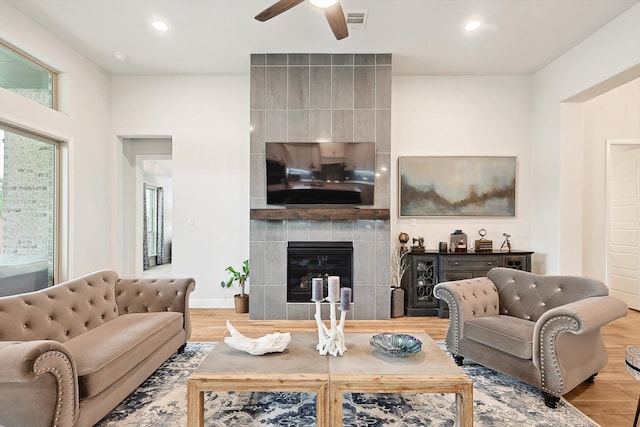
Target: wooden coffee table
<point>365,370</point>
<point>301,369</point>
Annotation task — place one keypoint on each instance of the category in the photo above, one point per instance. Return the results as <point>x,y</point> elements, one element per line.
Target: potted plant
<point>241,300</point>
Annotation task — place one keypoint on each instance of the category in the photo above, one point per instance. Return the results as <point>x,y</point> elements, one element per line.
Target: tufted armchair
<point>543,330</point>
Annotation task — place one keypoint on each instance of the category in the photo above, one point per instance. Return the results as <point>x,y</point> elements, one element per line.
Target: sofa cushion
<point>108,352</point>
<point>505,333</point>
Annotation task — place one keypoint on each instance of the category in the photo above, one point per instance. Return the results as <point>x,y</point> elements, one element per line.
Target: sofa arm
<point>568,337</point>
<point>155,295</point>
<point>467,299</point>
<point>24,363</point>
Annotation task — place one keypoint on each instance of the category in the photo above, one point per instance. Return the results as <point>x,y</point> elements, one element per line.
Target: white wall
<point>557,164</point>
<point>463,116</point>
<point>83,124</point>
<point>207,118</point>
<point>613,115</point>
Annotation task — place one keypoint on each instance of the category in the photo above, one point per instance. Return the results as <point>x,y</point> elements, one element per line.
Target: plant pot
<point>241,303</point>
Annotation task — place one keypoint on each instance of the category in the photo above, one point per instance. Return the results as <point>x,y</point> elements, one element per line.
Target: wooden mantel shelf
<point>319,214</point>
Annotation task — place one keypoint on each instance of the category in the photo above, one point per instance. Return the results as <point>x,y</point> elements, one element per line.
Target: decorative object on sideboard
<point>443,247</point>
<point>457,186</point>
<point>483,245</point>
<point>506,245</point>
<point>331,340</point>
<point>241,300</point>
<point>458,241</point>
<point>270,343</point>
<point>419,248</point>
<point>404,238</point>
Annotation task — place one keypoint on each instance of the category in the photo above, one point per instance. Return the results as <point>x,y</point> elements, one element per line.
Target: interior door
<point>623,220</point>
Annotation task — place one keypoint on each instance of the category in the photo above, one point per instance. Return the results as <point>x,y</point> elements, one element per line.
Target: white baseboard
<point>210,303</point>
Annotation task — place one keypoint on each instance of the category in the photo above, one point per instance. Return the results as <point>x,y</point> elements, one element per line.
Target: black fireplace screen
<point>306,260</point>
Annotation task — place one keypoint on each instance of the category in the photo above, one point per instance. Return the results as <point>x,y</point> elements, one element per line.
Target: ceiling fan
<point>332,10</point>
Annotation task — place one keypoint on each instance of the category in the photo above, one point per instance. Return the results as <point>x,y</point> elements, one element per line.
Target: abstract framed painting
<point>457,186</point>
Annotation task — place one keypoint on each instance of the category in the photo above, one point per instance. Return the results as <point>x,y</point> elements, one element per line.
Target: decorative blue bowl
<point>397,345</point>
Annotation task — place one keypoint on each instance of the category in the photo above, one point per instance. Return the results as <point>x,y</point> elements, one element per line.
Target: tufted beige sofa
<point>70,353</point>
<point>543,330</point>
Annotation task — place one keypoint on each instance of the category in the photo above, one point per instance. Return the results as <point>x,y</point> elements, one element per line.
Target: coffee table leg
<point>335,405</point>
<point>322,406</point>
<point>464,407</point>
<point>195,405</point>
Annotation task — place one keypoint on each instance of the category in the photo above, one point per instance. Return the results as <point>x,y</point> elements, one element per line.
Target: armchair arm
<point>23,364</point>
<point>154,295</point>
<point>467,299</point>
<point>562,332</point>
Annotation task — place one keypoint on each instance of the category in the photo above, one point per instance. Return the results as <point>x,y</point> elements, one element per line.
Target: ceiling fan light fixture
<point>323,4</point>
<point>160,26</point>
<point>472,26</point>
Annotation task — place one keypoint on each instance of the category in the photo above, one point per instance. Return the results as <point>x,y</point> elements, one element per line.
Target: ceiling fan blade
<point>337,21</point>
<point>276,9</point>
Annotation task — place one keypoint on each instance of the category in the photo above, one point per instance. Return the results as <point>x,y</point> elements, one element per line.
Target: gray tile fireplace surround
<point>268,255</point>
<point>310,97</point>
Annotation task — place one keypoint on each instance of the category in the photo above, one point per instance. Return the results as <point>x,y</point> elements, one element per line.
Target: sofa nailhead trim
<point>555,329</point>
<point>445,295</point>
<point>56,372</point>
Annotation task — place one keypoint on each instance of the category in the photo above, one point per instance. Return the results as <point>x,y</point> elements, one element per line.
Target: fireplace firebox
<point>306,260</point>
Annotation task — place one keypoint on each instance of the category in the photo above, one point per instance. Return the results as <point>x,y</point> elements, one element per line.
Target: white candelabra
<point>331,341</point>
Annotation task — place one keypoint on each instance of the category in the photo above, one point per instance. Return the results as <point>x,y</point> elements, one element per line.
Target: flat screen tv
<point>320,173</point>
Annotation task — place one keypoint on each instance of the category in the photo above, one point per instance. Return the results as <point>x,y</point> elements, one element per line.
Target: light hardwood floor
<point>610,401</point>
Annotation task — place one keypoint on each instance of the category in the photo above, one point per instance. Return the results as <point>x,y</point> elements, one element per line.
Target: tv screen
<point>313,173</point>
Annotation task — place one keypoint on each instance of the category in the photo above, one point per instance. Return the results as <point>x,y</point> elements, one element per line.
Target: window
<point>28,210</point>
<point>26,76</point>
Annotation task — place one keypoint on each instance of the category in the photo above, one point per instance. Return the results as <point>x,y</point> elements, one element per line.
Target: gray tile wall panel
<point>276,59</point>
<point>298,59</point>
<point>298,88</point>
<point>257,132</point>
<point>257,88</point>
<point>320,87</point>
<point>364,126</point>
<point>364,87</point>
<point>276,126</point>
<point>383,131</point>
<point>341,87</point>
<point>276,87</point>
<point>319,125</point>
<point>364,59</point>
<point>383,87</point>
<point>320,59</point>
<point>298,125</point>
<point>342,126</point>
<point>258,176</point>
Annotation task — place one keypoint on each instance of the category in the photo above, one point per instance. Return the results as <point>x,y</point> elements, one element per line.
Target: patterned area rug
<point>499,401</point>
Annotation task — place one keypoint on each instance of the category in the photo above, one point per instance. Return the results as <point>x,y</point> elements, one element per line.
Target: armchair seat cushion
<point>508,334</point>
<point>131,339</point>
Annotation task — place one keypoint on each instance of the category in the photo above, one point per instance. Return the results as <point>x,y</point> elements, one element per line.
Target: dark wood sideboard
<point>426,269</point>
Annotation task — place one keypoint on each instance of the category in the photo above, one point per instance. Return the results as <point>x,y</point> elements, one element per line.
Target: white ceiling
<point>424,36</point>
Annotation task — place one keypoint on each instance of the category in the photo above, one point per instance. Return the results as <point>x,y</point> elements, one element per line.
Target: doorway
<point>156,212</point>
<point>147,161</point>
<point>623,219</point>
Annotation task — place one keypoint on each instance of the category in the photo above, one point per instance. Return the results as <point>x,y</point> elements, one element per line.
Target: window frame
<point>58,222</point>
<point>41,65</point>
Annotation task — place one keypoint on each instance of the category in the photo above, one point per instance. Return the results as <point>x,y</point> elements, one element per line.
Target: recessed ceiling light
<point>472,25</point>
<point>160,26</point>
<point>120,56</point>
